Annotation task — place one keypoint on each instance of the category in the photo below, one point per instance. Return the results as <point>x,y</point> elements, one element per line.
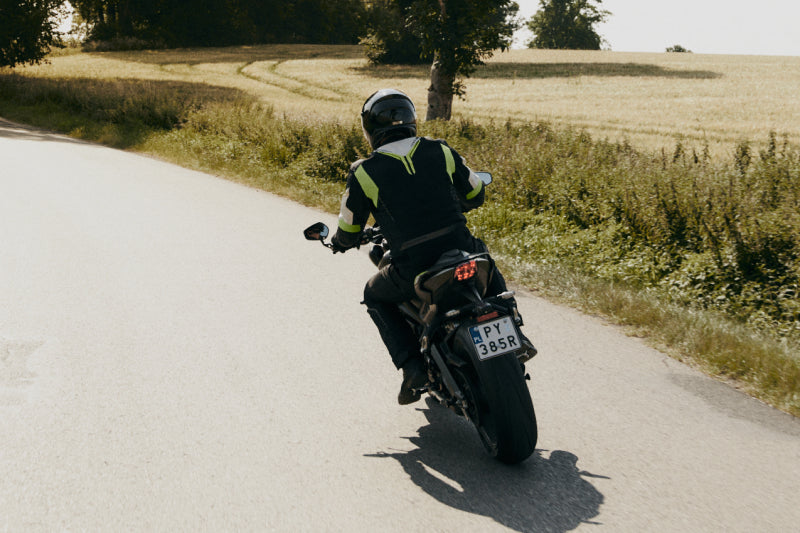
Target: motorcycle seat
<point>430,287</point>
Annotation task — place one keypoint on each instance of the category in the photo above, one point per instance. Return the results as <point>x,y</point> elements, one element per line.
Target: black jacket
<point>413,187</point>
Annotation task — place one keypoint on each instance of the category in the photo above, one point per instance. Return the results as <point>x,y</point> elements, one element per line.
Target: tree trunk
<point>111,16</point>
<point>124,17</point>
<point>440,93</point>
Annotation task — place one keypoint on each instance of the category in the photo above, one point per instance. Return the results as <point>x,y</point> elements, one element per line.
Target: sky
<point>752,27</point>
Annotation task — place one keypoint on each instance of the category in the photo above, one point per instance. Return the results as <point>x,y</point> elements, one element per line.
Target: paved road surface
<point>174,356</point>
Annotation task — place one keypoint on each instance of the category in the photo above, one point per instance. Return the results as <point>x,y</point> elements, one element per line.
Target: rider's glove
<point>365,239</point>
<point>337,247</point>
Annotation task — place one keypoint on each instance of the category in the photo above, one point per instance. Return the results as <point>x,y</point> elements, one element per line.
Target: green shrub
<point>722,236</point>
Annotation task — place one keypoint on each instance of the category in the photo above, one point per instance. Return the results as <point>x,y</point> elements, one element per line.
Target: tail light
<point>466,271</point>
<point>488,316</point>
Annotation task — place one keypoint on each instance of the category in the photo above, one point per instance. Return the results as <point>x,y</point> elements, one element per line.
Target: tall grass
<point>699,252</point>
<point>712,235</point>
<point>248,142</point>
<point>117,112</point>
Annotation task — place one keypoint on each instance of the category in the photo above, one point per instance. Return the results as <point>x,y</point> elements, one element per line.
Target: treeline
<point>225,22</point>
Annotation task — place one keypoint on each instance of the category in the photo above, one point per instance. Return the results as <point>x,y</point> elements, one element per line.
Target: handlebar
<point>319,232</point>
<point>371,235</point>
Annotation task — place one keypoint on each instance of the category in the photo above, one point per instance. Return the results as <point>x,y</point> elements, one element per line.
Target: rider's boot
<point>528,351</point>
<point>414,378</point>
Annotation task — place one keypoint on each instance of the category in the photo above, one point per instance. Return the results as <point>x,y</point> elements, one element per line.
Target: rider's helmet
<point>388,115</point>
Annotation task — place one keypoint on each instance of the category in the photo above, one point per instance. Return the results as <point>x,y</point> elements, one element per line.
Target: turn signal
<point>466,271</point>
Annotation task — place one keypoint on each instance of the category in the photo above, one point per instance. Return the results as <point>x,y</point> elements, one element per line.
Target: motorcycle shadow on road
<point>542,494</point>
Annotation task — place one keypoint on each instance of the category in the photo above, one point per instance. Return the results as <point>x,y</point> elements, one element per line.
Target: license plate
<point>495,338</point>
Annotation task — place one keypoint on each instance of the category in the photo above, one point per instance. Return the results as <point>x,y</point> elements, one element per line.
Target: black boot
<point>414,378</point>
<point>528,350</point>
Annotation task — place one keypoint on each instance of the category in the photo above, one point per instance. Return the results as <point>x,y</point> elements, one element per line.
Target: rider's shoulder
<point>437,141</point>
<point>357,164</point>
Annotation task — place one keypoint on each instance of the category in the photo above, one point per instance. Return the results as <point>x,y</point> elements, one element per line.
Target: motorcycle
<point>471,345</point>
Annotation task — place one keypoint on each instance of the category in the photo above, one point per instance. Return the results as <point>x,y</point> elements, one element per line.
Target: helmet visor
<point>392,112</point>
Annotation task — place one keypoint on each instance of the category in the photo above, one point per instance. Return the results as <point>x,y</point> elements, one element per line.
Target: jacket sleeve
<point>353,214</point>
<point>469,187</point>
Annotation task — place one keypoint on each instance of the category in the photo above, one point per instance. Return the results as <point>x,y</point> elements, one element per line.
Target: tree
<point>458,35</point>
<point>567,25</point>
<point>27,30</point>
<point>678,49</point>
<point>386,37</point>
<point>327,21</point>
<point>108,19</point>
<point>223,22</point>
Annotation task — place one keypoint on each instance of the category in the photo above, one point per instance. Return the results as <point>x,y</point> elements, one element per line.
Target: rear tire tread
<point>505,408</point>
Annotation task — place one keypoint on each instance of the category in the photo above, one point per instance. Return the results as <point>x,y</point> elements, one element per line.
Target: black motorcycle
<point>471,344</point>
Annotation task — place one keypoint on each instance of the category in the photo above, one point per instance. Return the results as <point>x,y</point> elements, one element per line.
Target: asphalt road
<point>175,357</point>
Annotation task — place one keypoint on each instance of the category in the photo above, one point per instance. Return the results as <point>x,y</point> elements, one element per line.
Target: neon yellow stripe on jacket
<point>367,185</point>
<point>451,163</point>
<point>349,228</point>
<point>476,191</point>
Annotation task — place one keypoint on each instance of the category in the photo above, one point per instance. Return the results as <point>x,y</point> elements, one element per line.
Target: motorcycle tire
<point>500,405</point>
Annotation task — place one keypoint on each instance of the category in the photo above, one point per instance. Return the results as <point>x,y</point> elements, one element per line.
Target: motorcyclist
<point>417,189</point>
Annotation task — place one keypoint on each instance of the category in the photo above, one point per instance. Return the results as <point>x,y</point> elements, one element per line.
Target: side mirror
<point>316,232</point>
<point>485,177</point>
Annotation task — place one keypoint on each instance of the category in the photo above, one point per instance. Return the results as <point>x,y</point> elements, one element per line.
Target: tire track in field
<point>267,72</point>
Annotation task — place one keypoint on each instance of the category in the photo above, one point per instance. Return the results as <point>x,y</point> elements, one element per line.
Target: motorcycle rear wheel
<point>500,407</point>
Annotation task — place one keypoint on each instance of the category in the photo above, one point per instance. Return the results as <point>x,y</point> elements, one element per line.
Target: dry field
<point>649,99</point>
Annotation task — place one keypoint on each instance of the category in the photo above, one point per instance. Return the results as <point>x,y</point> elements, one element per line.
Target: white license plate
<point>495,338</point>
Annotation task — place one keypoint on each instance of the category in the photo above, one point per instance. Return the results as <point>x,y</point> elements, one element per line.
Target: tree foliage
<point>387,37</point>
<point>678,49</point>
<point>224,22</point>
<point>27,30</point>
<point>458,35</point>
<point>567,25</point>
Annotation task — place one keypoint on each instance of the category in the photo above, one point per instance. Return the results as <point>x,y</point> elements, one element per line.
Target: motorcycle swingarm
<point>449,381</point>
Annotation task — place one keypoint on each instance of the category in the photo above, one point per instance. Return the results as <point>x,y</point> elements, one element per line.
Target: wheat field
<point>651,100</point>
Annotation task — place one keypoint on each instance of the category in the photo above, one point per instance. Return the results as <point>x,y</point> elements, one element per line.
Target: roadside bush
<point>115,44</point>
<point>723,236</point>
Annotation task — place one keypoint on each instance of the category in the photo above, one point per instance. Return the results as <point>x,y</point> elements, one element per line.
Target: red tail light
<point>488,316</point>
<point>466,271</point>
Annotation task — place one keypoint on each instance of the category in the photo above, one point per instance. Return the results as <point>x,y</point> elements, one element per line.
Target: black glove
<point>337,247</point>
